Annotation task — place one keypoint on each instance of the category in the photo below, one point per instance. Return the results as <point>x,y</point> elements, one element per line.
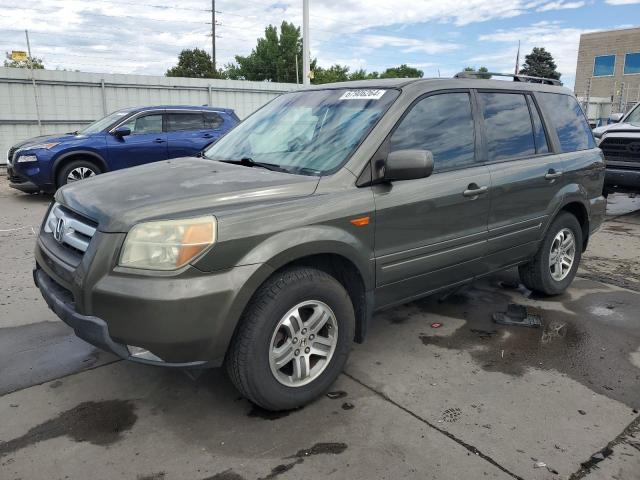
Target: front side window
<point>604,65</point>
<point>568,120</point>
<point>508,125</point>
<point>184,121</point>
<point>311,133</point>
<point>632,63</point>
<point>145,124</point>
<point>442,124</point>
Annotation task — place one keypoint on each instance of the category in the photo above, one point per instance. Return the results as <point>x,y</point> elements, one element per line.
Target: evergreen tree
<point>539,63</point>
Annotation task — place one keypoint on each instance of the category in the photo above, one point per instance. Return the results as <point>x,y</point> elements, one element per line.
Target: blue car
<point>125,138</point>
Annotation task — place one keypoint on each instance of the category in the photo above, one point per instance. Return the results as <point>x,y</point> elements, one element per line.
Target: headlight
<point>167,245</point>
<point>26,159</point>
<point>41,146</point>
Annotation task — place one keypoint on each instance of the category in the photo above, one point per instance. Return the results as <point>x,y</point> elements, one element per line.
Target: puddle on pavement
<point>592,339</point>
<point>99,423</point>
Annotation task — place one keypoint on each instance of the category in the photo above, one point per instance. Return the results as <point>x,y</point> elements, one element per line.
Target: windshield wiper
<point>250,162</point>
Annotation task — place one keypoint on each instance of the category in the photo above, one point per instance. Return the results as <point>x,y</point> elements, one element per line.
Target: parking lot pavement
<point>469,399</point>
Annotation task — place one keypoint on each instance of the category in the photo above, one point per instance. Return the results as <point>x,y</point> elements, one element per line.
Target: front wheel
<point>555,265</point>
<point>292,340</point>
<point>76,170</point>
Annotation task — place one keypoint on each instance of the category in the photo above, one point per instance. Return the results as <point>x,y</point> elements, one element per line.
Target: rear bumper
<point>89,328</point>
<point>622,180</point>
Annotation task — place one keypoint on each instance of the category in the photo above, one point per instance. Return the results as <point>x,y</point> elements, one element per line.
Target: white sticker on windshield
<point>362,95</point>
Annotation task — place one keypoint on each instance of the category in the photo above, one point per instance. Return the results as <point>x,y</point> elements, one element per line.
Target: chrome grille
<point>69,229</point>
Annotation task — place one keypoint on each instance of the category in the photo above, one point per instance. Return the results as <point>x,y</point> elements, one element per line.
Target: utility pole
<point>517,60</point>
<point>297,75</point>
<point>33,82</point>
<point>305,42</point>
<point>213,34</point>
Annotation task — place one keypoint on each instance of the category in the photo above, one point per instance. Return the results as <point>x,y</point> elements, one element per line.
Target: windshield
<point>310,132</point>
<point>103,123</point>
<point>634,116</point>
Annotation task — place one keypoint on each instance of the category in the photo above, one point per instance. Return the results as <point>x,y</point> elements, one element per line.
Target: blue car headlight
<point>26,159</point>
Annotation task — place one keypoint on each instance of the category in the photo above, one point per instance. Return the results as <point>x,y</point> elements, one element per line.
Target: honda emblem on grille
<point>634,147</point>
<point>58,233</point>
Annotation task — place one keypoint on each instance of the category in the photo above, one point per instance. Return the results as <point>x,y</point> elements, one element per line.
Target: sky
<point>440,37</point>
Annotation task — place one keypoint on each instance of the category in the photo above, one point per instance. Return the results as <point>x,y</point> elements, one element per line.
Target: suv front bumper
<point>622,180</point>
<point>184,320</point>
<point>91,329</point>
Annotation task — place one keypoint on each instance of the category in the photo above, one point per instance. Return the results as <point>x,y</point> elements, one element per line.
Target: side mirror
<point>615,117</point>
<point>408,165</point>
<point>122,132</point>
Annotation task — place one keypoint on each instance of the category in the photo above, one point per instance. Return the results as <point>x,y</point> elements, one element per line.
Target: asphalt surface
<point>468,399</point>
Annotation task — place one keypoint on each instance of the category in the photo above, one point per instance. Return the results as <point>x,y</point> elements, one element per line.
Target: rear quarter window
<point>568,120</point>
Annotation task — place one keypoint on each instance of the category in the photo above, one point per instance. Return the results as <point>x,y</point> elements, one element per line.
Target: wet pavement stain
<point>152,476</point>
<point>99,423</point>
<point>299,457</point>
<point>591,338</point>
<point>259,412</point>
<point>226,475</point>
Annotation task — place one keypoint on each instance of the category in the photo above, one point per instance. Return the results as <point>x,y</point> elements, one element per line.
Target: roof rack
<point>516,78</point>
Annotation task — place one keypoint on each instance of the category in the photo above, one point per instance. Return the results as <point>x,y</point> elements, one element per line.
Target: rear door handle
<point>473,190</point>
<point>207,135</point>
<point>552,175</point>
<point>159,140</point>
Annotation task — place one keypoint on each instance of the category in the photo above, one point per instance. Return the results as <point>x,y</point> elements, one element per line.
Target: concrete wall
<point>613,42</point>
<point>70,100</point>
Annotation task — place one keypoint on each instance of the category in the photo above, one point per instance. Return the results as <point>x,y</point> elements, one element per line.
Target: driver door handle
<point>159,140</point>
<point>474,190</point>
<point>552,174</point>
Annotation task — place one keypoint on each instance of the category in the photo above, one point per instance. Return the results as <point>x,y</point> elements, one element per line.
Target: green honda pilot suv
<point>270,253</point>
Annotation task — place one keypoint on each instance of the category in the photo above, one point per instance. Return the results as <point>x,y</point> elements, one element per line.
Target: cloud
<point>407,45</point>
<point>560,5</point>
<point>622,2</point>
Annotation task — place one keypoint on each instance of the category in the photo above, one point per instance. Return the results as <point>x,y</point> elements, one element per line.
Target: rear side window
<point>440,123</point>
<point>184,121</point>
<point>212,120</point>
<point>568,120</point>
<point>538,129</point>
<point>508,125</point>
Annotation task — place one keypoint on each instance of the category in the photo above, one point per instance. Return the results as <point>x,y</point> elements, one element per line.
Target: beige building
<point>608,71</point>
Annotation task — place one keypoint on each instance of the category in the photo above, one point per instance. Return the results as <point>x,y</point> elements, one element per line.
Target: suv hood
<point>177,188</point>
<point>60,138</point>
<point>617,128</point>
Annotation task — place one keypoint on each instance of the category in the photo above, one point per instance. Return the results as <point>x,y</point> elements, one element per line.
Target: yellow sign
<point>18,56</point>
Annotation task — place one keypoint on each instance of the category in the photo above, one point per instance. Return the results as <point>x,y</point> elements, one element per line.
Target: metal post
<point>621,97</point>
<point>213,34</point>
<point>104,97</point>
<point>297,75</point>
<point>305,43</point>
<point>210,95</point>
<point>33,82</point>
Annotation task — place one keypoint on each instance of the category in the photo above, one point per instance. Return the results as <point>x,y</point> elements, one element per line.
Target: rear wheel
<point>554,267</point>
<point>76,170</point>
<point>293,339</point>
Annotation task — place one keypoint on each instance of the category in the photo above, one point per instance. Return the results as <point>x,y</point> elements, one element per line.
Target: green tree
<point>335,73</point>
<point>273,58</point>
<point>480,70</point>
<point>539,63</point>
<point>194,63</point>
<point>362,74</point>
<point>403,71</point>
<point>37,62</point>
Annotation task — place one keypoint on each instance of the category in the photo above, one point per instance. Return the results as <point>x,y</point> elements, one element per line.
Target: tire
<point>537,275</point>
<point>62,177</point>
<point>250,362</point>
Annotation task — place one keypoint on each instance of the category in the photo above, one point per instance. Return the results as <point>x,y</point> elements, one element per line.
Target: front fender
<point>288,246</point>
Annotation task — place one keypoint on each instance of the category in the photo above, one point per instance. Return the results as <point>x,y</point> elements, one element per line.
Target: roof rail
<point>516,78</point>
